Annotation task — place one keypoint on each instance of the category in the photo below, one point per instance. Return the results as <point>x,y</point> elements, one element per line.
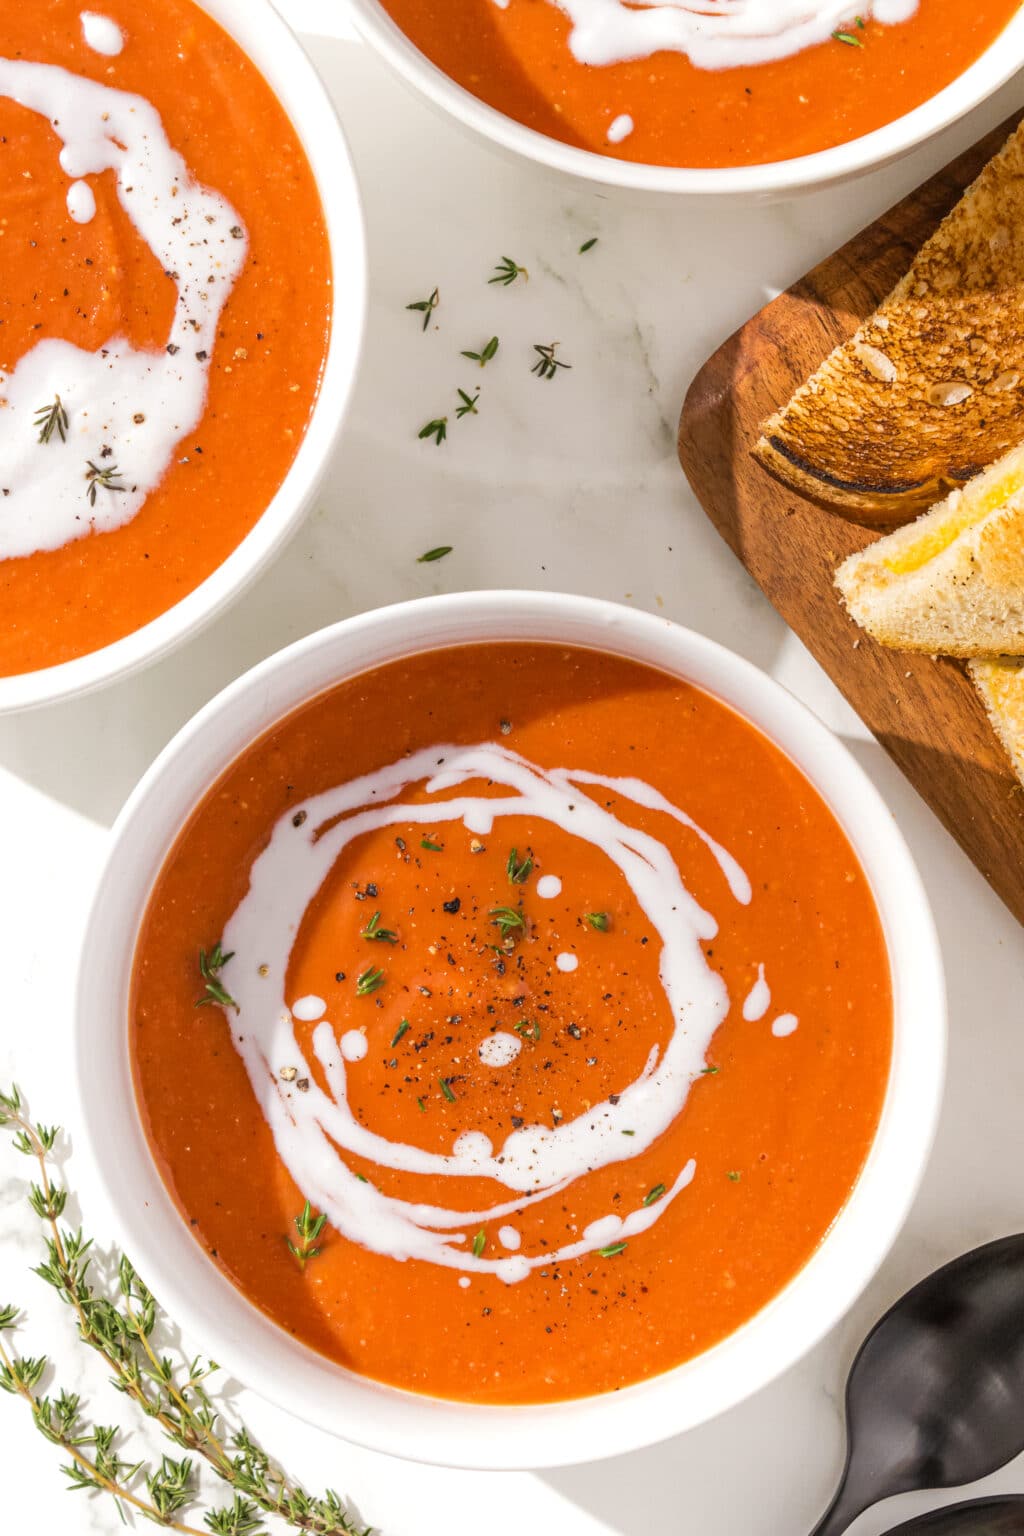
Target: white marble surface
<point>572,485</point>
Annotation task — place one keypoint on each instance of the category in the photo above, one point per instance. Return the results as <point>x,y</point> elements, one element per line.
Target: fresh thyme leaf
<point>426,307</point>
<point>708,1071</point>
<point>629,1133</point>
<point>611,1250</point>
<point>374,931</point>
<point>432,847</point>
<point>588,245</point>
<point>423,1107</point>
<point>507,920</point>
<point>437,429</point>
<point>210,963</point>
<point>479,1243</point>
<point>506,271</point>
<point>485,354</point>
<point>653,1195</point>
<point>435,554</point>
<point>518,870</point>
<point>50,419</point>
<point>446,1089</point>
<point>598,920</point>
<point>309,1228</point>
<point>400,1031</point>
<point>106,479</point>
<point>369,981</point>
<point>468,406</point>
<point>547,364</point>
<point>528,1028</point>
<point>171,1394</point>
<point>848,38</point>
<point>733,1175</point>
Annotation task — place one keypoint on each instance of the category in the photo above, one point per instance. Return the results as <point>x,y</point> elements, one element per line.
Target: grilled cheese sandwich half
<point>1000,681</point>
<point>951,583</point>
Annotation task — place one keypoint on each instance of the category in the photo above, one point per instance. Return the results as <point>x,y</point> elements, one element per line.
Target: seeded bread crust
<point>931,388</point>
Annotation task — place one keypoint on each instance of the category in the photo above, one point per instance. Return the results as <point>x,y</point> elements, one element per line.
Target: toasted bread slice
<point>1000,681</point>
<point>931,388</point>
<point>953,581</point>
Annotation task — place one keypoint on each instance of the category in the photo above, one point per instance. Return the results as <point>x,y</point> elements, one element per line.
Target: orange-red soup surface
<point>778,1125</point>
<point>517,59</point>
<point>88,283</point>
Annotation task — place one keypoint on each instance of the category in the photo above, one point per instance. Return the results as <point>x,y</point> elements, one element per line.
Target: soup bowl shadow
<point>218,1317</point>
<point>273,48</point>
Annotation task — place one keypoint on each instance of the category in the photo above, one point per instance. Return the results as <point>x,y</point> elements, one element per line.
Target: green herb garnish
<point>102,479</point>
<point>600,921</point>
<point>50,419</point>
<point>423,1107</point>
<point>588,245</point>
<point>848,38</point>
<point>446,1089</point>
<point>479,1243</point>
<point>708,1071</point>
<point>210,962</point>
<point>437,429</point>
<point>547,364</point>
<point>434,554</point>
<point>309,1228</point>
<point>374,931</point>
<point>611,1250</point>
<point>468,406</point>
<point>485,354</point>
<point>733,1175</point>
<point>506,271</point>
<point>528,1028</point>
<point>402,1029</point>
<point>431,847</point>
<point>369,981</point>
<point>653,1195</point>
<point>507,920</point>
<point>518,870</point>
<point>426,307</point>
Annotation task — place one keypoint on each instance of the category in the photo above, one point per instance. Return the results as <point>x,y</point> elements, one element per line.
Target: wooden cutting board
<point>925,713</point>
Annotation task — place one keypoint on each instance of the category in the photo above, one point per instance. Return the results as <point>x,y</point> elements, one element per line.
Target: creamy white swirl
<point>313,1129</point>
<point>126,409</point>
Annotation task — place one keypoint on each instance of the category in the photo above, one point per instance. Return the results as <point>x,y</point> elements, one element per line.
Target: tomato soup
<point>511,1023</point>
<point>164,314</point>
<point>690,84</point>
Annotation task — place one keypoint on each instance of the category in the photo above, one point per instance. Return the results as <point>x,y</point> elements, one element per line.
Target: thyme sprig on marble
<point>426,307</point>
<point>547,364</point>
<point>170,1393</point>
<point>506,271</point>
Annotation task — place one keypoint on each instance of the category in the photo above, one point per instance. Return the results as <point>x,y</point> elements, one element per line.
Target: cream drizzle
<point>127,408</point>
<point>102,34</point>
<point>758,999</point>
<point>312,1128</point>
<point>713,34</point>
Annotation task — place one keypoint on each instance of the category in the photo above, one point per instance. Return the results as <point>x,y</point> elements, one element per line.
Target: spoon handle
<point>841,1513</point>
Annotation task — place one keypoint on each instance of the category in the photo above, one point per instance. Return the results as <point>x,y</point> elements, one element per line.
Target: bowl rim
<point>991,69</point>
<point>387,1419</point>
<point>275,50</point>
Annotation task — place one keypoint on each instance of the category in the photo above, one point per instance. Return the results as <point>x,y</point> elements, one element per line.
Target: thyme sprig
<point>374,931</point>
<point>309,1228</point>
<point>507,920</point>
<point>485,354</point>
<point>468,406</point>
<point>437,429</point>
<point>173,1395</point>
<point>211,961</point>
<point>506,271</point>
<point>518,870</point>
<point>106,478</point>
<point>547,364</point>
<point>426,307</point>
<point>52,418</point>
<point>369,981</point>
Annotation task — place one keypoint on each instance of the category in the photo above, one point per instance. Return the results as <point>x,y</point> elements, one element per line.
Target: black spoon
<point>1000,1516</point>
<point>935,1397</point>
